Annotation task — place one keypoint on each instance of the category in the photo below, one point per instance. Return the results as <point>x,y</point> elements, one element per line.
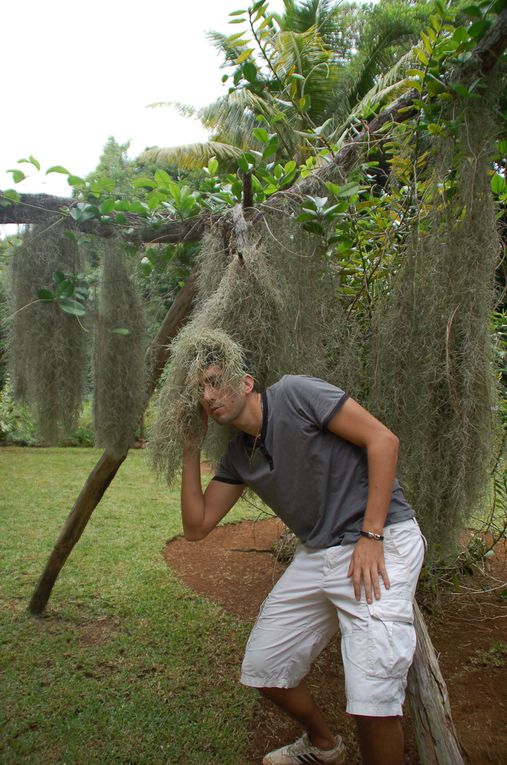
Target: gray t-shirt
<point>315,481</point>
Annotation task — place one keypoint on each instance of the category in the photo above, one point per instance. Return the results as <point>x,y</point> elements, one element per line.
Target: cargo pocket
<point>391,638</point>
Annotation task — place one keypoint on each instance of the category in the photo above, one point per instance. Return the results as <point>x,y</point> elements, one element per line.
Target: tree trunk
<point>430,710</point>
<point>91,494</point>
<point>107,466</point>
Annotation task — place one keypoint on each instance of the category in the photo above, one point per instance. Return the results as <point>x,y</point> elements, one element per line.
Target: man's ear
<point>249,383</point>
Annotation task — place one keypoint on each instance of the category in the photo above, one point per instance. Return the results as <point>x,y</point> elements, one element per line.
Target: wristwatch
<point>372,535</point>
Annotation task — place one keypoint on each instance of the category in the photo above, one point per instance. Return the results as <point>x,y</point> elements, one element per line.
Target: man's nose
<point>207,394</point>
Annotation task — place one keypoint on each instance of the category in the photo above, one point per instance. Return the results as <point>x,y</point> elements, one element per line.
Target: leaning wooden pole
<point>106,468</point>
<point>437,742</point>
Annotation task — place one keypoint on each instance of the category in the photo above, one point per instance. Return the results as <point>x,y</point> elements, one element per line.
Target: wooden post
<point>436,739</point>
<point>107,466</point>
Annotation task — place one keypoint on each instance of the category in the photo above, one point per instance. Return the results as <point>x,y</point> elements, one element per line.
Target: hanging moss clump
<point>119,370</point>
<point>47,347</point>
<point>179,421</point>
<point>273,303</point>
<point>432,372</point>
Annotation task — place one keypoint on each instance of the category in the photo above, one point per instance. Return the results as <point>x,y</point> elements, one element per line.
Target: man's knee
<point>373,725</point>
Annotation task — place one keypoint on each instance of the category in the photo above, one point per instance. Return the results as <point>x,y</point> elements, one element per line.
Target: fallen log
<point>437,742</point>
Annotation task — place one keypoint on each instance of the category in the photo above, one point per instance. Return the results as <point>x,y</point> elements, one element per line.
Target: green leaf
<point>244,164</point>
<point>250,71</point>
<point>146,266</point>
<point>460,90</point>
<point>83,293</point>
<point>479,28</point>
<point>121,331</point>
<point>332,187</point>
<point>473,11</point>
<point>17,175</point>
<point>237,13</point>
<point>83,212</point>
<point>107,206</point>
<point>144,183</point>
<point>255,7</point>
<point>75,180</point>
<point>349,190</point>
<point>261,134</point>
<point>31,160</point>
<point>11,194</point>
<point>65,289</point>
<point>319,202</point>
<point>498,184</point>
<point>163,179</point>
<point>290,166</point>
<point>45,295</point>
<point>246,54</point>
<point>213,165</point>
<point>435,129</point>
<point>58,276</point>
<point>138,207</point>
<point>460,35</point>
<point>271,147</point>
<point>237,40</point>
<point>57,169</point>
<point>313,227</point>
<point>72,306</point>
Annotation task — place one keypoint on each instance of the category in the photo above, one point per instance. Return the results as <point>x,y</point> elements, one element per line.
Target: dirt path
<point>234,567</point>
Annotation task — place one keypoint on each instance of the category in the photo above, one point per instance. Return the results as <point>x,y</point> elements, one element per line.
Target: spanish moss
<point>119,369</point>
<point>47,347</point>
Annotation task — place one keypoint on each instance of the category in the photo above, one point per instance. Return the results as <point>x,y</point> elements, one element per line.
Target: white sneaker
<point>303,752</point>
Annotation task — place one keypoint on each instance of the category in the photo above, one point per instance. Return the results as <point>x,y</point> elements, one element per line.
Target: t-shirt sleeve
<point>226,472</point>
<point>315,398</point>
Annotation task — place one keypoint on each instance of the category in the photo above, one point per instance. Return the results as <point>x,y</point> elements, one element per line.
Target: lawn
<point>127,665</point>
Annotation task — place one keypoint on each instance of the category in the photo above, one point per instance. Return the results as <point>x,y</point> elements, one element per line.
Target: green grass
<point>128,665</point>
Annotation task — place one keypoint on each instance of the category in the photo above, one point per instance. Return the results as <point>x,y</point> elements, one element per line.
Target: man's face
<point>220,400</point>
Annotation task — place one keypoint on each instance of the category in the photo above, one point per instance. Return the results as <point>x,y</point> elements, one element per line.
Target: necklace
<point>259,432</point>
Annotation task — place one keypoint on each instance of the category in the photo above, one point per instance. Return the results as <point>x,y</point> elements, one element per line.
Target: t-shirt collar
<point>264,427</point>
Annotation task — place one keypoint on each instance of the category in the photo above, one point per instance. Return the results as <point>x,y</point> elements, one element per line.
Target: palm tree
<point>313,64</point>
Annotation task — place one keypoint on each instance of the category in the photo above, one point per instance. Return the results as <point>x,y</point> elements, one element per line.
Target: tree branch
<point>41,208</point>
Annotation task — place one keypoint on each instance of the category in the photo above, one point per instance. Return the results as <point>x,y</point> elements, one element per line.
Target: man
<point>327,468</point>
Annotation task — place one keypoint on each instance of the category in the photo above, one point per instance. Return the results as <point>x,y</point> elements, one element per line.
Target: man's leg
<point>378,642</point>
<point>380,740</point>
<point>298,703</point>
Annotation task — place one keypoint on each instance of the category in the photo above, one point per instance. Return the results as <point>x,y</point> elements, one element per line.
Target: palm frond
<point>387,87</point>
<point>306,54</point>
<point>184,109</point>
<point>221,42</point>
<point>193,156</point>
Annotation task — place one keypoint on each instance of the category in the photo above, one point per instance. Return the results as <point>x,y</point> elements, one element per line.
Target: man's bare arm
<point>202,511</point>
<point>355,424</point>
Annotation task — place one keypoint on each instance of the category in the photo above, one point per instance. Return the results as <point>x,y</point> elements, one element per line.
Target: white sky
<point>75,73</point>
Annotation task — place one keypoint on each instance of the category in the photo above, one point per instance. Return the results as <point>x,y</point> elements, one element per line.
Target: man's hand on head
<point>194,443</point>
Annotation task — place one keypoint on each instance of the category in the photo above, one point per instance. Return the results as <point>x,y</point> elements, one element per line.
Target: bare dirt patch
<point>234,567</point>
<point>97,631</point>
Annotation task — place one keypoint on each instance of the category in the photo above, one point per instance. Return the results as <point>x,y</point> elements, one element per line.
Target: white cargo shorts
<point>315,596</point>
